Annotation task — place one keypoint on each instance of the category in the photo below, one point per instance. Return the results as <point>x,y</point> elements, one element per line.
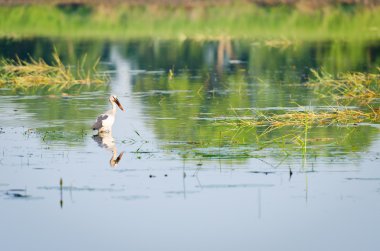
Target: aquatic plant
<point>22,73</point>
<point>309,118</point>
<point>351,86</point>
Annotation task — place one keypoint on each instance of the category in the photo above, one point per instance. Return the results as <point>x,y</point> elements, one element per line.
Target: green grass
<point>240,20</point>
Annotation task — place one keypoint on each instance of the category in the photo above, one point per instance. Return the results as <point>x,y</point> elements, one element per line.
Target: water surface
<point>186,180</point>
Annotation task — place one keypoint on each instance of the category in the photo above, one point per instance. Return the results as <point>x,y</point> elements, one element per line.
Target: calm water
<point>186,179</point>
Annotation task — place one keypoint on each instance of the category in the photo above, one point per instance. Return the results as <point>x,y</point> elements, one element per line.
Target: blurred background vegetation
<point>115,20</point>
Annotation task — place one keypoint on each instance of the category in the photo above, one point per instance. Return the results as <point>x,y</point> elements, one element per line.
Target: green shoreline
<point>240,21</point>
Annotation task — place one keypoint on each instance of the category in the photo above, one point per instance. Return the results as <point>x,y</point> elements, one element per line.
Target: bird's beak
<point>119,105</point>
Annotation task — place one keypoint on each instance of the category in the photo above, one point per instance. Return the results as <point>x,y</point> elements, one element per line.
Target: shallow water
<point>186,179</point>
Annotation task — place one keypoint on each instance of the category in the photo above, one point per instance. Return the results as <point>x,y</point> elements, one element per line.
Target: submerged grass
<point>363,88</point>
<point>21,73</point>
<point>311,118</point>
<point>302,133</point>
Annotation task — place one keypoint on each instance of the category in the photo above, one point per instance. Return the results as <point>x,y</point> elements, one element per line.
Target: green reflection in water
<point>187,117</point>
<point>212,80</point>
<point>61,117</point>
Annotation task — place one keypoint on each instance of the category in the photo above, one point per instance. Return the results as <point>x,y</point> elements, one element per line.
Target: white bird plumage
<point>105,121</point>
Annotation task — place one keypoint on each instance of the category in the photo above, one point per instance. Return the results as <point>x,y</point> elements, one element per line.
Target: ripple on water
<point>80,189</point>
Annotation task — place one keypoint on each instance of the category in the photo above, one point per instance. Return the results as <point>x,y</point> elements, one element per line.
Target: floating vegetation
<point>311,118</point>
<point>21,73</point>
<point>361,87</point>
<point>298,124</point>
<point>301,133</point>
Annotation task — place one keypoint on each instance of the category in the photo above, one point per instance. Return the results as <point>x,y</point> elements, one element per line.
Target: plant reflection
<point>105,140</point>
<point>209,81</point>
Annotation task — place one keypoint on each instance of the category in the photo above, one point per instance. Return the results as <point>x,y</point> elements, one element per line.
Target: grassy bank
<point>241,20</point>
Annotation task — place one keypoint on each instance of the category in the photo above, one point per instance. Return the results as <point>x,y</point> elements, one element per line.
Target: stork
<point>104,122</point>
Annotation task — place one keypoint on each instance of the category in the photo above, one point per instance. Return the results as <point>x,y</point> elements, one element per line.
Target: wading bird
<point>105,121</point>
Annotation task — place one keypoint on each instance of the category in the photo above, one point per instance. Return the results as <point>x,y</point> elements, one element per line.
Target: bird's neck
<point>113,107</point>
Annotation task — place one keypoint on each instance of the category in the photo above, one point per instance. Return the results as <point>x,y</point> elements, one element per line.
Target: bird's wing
<point>99,121</point>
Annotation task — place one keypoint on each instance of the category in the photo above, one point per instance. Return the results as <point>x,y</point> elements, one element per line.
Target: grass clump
<point>361,87</point>
<point>304,130</point>
<point>311,118</point>
<point>21,73</point>
<point>326,118</point>
<point>301,126</point>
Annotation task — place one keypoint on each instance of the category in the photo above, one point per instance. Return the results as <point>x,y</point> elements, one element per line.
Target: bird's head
<point>114,99</point>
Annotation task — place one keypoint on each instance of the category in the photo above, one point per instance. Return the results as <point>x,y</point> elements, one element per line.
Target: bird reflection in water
<point>105,140</point>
